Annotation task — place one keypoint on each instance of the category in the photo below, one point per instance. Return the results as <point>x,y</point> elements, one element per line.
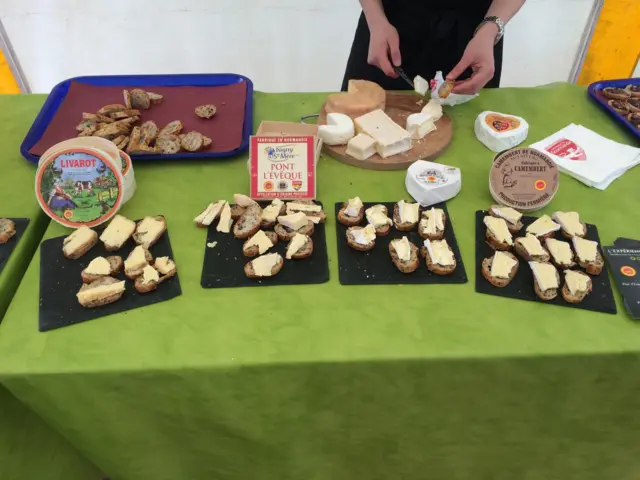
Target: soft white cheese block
<point>391,139</point>
<point>500,132</point>
<point>338,130</point>
<point>420,85</point>
<point>361,147</point>
<point>419,125</point>
<point>430,183</point>
<point>433,109</point>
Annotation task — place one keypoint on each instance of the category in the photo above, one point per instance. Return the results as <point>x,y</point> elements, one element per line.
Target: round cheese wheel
<point>361,98</point>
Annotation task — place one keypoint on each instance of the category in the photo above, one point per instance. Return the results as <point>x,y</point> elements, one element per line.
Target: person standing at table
<point>461,38</point>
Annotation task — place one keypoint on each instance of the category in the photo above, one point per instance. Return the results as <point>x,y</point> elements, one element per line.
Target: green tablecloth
<point>29,448</point>
<point>330,382</point>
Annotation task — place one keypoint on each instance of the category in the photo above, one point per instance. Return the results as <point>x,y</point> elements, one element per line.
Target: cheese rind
<point>543,226</point>
<point>354,205</point>
<point>509,214</point>
<point>577,282</point>
<point>402,248</point>
<point>570,222</point>
<point>149,275</point>
<point>224,225</point>
<point>501,265</point>
<point>263,266</point>
<point>391,138</point>
<point>136,259</point>
<point>118,231</point>
<point>77,239</point>
<point>338,130</point>
<point>440,252</point>
<point>586,250</point>
<point>294,221</point>
<point>297,243</point>
<point>560,251</point>
<point>409,212</point>
<point>532,245</point>
<point>210,213</point>
<point>361,147</point>
<point>102,291</point>
<point>498,227</point>
<point>260,240</point>
<point>545,275</point>
<point>364,236</point>
<point>98,266</point>
<point>361,97</point>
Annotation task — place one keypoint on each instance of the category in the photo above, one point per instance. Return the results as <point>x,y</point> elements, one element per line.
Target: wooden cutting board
<point>399,106</point>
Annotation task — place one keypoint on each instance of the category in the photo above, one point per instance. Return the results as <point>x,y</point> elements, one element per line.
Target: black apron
<point>433,36</point>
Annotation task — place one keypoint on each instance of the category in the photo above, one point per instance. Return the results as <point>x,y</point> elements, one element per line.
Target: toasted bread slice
<point>593,268</point>
<point>237,211</point>
<point>79,243</point>
<point>497,281</point>
<point>156,98</point>
<point>97,118</point>
<point>111,131</point>
<point>580,295</point>
<point>522,252</point>
<point>134,273</point>
<point>616,93</point>
<point>88,132</point>
<point>116,264</point>
<point>250,272</point>
<point>144,150</point>
<point>494,243</point>
<point>548,294</point>
<point>127,98</point>
<point>206,111</point>
<point>7,230</point>
<point>87,124</point>
<point>149,132</point>
<point>171,128</point>
<point>348,221</point>
<point>554,259</point>
<point>446,88</point>
<point>316,217</point>
<point>381,230</point>
<point>435,267</point>
<point>117,233</point>
<point>248,223</point>
<point>114,107</point>
<point>134,139</point>
<point>284,234</point>
<point>149,280</point>
<point>206,142</point>
<point>303,252</point>
<point>145,287</point>
<point>253,250</point>
<point>513,227</point>
<point>130,112</point>
<point>351,240</point>
<point>166,268</point>
<point>168,144</point>
<point>400,225</point>
<point>192,141</point>
<point>405,266</point>
<point>140,99</point>
<point>149,230</point>
<point>103,299</point>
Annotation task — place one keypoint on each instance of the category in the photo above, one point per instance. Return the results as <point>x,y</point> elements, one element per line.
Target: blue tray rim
<point>602,84</point>
<point>53,102</point>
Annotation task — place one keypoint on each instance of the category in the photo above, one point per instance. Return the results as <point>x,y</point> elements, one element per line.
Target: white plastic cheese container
<point>430,183</point>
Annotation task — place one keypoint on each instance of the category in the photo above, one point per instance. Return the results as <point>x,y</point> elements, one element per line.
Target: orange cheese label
<point>501,123</point>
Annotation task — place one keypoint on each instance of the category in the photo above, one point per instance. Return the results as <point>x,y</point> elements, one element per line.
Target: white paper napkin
<point>589,157</point>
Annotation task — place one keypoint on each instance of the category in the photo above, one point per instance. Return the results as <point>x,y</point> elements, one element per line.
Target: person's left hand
<point>479,56</point>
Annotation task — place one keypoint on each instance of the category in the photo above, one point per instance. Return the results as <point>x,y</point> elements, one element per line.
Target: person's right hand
<point>384,48</point>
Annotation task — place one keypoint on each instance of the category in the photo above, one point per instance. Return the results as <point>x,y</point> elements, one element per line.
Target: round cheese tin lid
<point>79,186</point>
<point>98,143</point>
<point>523,178</point>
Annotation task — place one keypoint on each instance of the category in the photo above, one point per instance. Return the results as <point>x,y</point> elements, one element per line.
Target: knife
<point>404,76</point>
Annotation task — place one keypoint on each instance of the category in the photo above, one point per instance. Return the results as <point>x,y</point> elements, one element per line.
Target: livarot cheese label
<point>524,179</point>
<point>79,186</point>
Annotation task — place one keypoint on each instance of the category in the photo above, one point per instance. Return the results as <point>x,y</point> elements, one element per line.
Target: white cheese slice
<point>419,125</point>
<point>262,266</point>
<point>164,265</point>
<point>118,232</point>
<point>570,222</point>
<point>354,205</point>
<point>502,265</point>
<point>545,275</point>
<point>361,147</point>
<point>297,243</point>
<point>391,138</point>
<point>409,212</point>
<point>293,207</point>
<point>509,214</point>
<point>98,266</point>
<point>402,248</point>
<point>294,221</point>
<point>577,282</point>
<point>586,250</point>
<point>498,227</point>
<point>149,229</point>
<point>542,226</point>
<point>364,236</point>
<point>500,132</point>
<point>532,245</point>
<point>430,183</point>
<point>136,259</point>
<point>210,213</point>
<point>432,221</point>
<point>102,291</point>
<point>149,275</point>
<point>376,217</point>
<point>376,208</point>
<point>420,85</point>
<point>338,130</point>
<point>433,109</point>
<point>271,212</point>
<point>439,252</point>
<point>224,225</point>
<point>561,251</point>
<point>261,241</point>
<point>78,238</point>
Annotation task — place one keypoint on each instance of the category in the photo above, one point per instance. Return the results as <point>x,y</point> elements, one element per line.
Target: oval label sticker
<point>568,149</point>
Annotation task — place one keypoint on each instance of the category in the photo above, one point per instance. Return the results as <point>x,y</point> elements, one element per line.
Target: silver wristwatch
<point>497,21</point>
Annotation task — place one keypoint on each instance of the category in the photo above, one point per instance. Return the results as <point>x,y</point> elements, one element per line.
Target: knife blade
<point>404,76</point>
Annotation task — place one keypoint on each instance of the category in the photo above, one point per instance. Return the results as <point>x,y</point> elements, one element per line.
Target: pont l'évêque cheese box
<point>283,160</point>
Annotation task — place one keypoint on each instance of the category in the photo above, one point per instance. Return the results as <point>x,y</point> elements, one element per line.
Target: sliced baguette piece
<point>97,118</point>
<point>123,144</point>
<point>166,268</point>
<point>115,264</point>
<point>139,99</point>
<point>117,233</point>
<point>248,223</point>
<point>580,294</point>
<point>7,230</point>
<point>88,132</point>
<point>499,282</point>
<point>550,293</point>
<point>87,124</point>
<point>79,243</point>
<point>525,255</point>
<point>285,234</point>
<point>300,246</point>
<point>505,242</point>
<point>347,220</point>
<point>579,228</point>
<point>513,227</point>
<point>108,290</point>
<point>134,139</point>
<point>111,131</point>
<point>156,98</point>
<point>550,243</point>
<point>409,266</point>
<point>206,111</point>
<point>592,267</point>
<point>169,144</point>
<point>124,114</point>
<point>192,141</point>
<point>114,107</point>
<point>353,233</point>
<point>148,281</point>
<point>399,224</point>
<point>382,229</point>
<point>436,267</point>
<point>144,149</point>
<point>134,271</point>
<point>270,258</point>
<point>171,128</point>
<point>423,225</point>
<point>237,211</point>
<point>127,98</point>
<point>149,230</point>
<point>253,250</point>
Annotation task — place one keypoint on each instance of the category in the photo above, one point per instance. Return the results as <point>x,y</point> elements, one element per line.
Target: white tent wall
<point>282,45</point>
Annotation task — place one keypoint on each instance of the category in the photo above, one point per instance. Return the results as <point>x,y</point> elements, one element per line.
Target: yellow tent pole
<point>8,83</point>
<point>615,43</point>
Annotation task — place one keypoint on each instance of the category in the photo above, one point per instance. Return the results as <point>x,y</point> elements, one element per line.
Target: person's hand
<point>479,56</point>
<point>384,48</point>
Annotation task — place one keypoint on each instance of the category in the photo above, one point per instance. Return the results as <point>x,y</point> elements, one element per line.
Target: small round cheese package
<point>500,132</point>
<point>430,183</point>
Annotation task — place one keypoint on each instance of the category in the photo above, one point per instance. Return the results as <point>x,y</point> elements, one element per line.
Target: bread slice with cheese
<point>439,257</point>
<point>271,213</point>
<point>7,230</point>
<point>289,225</point>
<point>264,266</point>
<point>310,208</point>
<point>352,212</point>
<point>101,292</point>
<point>300,246</point>
<point>500,269</point>
<point>571,224</point>
<point>404,255</point>
<point>139,258</point>
<point>377,216</point>
<point>588,255</point>
<point>510,215</point>
<point>149,230</point>
<point>543,227</point>
<point>79,243</point>
<point>259,243</point>
<point>561,253</point>
<point>362,239</point>
<point>117,233</point>
<point>530,249</point>
<point>432,224</point>
<point>577,285</point>
<point>209,214</point>
<point>546,280</point>
<point>406,215</point>
<point>102,267</point>
<point>497,234</point>
<point>165,267</point>
<point>248,223</point>
<point>148,281</point>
